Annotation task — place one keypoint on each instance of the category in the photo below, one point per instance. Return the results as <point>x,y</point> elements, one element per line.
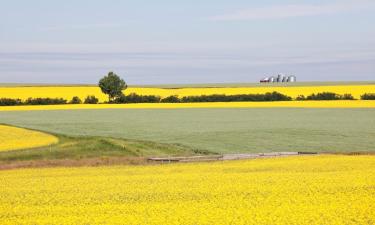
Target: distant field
<point>216,130</point>
<point>294,190</point>
<point>67,92</point>
<point>295,84</point>
<point>203,85</point>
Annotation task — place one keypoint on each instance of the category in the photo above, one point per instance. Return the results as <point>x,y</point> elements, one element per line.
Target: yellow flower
<point>67,92</point>
<point>294,190</point>
<point>13,138</point>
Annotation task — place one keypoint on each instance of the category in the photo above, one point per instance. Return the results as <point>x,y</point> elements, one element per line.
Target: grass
<point>216,130</point>
<point>83,148</point>
<point>92,151</point>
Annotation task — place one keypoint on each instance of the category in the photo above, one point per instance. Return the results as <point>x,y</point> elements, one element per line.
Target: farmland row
<point>82,92</point>
<point>294,190</point>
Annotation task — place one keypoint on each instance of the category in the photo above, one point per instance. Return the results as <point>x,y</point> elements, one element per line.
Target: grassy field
<point>216,130</point>
<point>85,151</point>
<point>294,190</point>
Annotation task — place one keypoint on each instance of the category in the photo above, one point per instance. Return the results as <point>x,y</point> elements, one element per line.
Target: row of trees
<point>113,86</point>
<point>368,96</point>
<point>326,96</point>
<point>47,101</point>
<point>134,98</point>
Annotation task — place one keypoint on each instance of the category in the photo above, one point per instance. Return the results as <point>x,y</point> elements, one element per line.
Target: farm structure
<point>279,79</point>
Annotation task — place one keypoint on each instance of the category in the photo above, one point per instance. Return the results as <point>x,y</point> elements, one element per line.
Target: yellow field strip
<point>14,138</point>
<point>292,190</point>
<point>289,104</point>
<point>68,92</point>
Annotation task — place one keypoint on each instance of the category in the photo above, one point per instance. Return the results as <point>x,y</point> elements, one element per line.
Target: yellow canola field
<point>68,92</point>
<point>288,104</point>
<point>294,190</point>
<point>13,138</point>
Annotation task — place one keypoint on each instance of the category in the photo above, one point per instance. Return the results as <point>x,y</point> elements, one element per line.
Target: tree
<point>75,100</point>
<point>112,85</point>
<point>91,99</point>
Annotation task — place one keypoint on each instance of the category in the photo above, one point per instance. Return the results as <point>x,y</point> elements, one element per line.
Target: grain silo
<point>292,79</point>
<point>280,78</point>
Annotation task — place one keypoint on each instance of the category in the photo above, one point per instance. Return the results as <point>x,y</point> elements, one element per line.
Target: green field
<point>216,130</point>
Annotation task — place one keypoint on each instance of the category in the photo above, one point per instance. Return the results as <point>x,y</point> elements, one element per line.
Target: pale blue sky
<point>206,41</point>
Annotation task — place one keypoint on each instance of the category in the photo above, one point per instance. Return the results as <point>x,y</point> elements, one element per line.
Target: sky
<point>177,42</point>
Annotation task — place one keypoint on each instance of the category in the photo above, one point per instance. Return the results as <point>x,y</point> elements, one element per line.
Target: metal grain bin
<point>292,79</point>
<point>279,78</point>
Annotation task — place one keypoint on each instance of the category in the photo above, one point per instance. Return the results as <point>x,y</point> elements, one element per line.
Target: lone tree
<point>112,85</point>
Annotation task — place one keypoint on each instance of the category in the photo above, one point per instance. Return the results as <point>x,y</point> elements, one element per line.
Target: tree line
<point>135,98</point>
<point>114,86</point>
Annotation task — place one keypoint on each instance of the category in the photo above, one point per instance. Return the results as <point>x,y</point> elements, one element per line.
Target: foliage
<point>112,85</point>
<point>301,98</point>
<point>91,100</point>
<point>171,99</point>
<point>10,102</point>
<point>368,96</point>
<point>68,92</point>
<point>326,96</point>
<point>347,97</point>
<point>75,100</point>
<point>274,96</point>
<point>45,101</point>
<point>83,147</point>
<point>134,98</point>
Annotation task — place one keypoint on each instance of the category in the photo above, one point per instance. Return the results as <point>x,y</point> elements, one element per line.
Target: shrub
<point>347,97</point>
<point>45,101</point>
<point>91,99</point>
<point>134,98</point>
<point>274,96</point>
<point>171,99</point>
<point>301,98</point>
<point>75,100</point>
<point>368,96</point>
<point>10,102</point>
<point>329,96</point>
<point>323,96</point>
<point>119,100</point>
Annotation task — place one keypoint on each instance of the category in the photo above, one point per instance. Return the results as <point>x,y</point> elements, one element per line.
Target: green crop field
<point>216,130</point>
